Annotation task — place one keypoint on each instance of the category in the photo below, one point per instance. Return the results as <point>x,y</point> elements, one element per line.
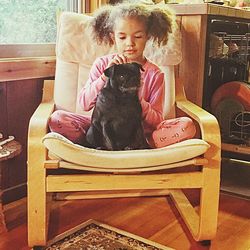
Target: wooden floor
<point>152,218</point>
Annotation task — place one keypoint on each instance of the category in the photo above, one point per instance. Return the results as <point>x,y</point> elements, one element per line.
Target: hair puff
<point>101,27</point>
<point>161,23</point>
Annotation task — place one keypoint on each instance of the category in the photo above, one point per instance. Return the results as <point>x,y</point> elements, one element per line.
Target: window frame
<point>27,50</point>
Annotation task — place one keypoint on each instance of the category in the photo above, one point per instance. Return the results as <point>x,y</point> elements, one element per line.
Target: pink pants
<point>74,127</point>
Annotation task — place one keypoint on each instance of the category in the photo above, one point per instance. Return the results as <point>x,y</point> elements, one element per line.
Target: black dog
<point>116,122</point>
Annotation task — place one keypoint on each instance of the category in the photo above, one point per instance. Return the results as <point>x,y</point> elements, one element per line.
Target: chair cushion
<point>61,147</point>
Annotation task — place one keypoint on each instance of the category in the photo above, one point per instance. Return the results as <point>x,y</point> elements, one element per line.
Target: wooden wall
<point>21,83</point>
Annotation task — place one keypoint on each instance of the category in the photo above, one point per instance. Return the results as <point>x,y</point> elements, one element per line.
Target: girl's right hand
<point>118,59</point>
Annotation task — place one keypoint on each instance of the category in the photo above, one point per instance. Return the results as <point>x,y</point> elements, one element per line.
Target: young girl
<point>128,27</point>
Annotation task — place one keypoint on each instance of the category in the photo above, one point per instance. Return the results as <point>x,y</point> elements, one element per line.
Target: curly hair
<point>159,21</point>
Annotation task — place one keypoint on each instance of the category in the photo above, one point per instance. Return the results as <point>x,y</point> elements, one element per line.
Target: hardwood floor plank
<point>168,234</point>
<point>153,218</point>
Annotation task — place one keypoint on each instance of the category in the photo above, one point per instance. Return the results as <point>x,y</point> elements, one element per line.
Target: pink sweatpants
<point>74,127</point>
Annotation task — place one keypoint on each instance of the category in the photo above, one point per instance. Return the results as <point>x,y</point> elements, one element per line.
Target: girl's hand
<point>118,59</point>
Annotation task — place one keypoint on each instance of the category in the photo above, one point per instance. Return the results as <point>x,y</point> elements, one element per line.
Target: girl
<point>129,27</point>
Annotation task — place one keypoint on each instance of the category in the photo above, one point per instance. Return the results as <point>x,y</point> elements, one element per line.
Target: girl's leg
<point>72,126</point>
<point>172,131</point>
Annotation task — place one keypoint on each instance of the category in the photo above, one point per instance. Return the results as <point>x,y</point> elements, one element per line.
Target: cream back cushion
<point>76,50</point>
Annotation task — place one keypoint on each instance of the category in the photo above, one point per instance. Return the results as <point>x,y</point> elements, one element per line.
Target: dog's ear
<point>141,68</point>
<point>109,72</point>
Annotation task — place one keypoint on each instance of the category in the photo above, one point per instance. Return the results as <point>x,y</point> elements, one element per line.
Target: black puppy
<point>116,122</point>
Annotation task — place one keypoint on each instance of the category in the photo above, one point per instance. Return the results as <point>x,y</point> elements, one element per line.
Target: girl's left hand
<point>118,59</point>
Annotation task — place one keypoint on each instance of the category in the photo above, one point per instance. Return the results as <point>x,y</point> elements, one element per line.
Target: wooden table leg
<point>14,148</point>
<point>2,221</point>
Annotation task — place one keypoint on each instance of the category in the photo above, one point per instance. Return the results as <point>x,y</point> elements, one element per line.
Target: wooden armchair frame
<point>202,224</point>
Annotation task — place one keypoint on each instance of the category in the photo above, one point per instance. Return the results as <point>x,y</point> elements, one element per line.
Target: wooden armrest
<point>209,126</point>
<point>210,130</point>
<point>38,126</point>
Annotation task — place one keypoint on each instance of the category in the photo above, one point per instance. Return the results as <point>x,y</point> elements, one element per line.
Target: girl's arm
<point>97,79</point>
<point>94,84</point>
<point>152,108</point>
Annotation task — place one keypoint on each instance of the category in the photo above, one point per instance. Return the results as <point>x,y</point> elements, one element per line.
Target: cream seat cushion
<point>145,159</point>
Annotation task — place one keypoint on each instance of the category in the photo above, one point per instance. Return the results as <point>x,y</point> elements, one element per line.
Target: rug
<point>93,235</point>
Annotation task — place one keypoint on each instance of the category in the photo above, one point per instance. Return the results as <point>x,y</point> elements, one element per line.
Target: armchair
<point>137,172</point>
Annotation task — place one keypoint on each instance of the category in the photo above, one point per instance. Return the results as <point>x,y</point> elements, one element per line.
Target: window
<point>29,21</point>
<point>28,27</point>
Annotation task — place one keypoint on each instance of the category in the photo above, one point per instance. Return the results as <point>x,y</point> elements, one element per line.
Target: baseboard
<point>14,193</point>
<point>235,177</point>
<point>15,213</point>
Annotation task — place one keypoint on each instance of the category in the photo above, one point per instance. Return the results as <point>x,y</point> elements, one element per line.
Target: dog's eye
<point>121,77</point>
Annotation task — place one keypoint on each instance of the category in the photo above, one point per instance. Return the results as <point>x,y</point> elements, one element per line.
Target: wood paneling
<point>26,68</point>
<point>19,97</point>
<point>191,69</point>
<point>3,109</point>
<point>22,98</point>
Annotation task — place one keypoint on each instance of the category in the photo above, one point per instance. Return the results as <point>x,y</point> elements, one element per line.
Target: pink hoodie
<point>151,92</point>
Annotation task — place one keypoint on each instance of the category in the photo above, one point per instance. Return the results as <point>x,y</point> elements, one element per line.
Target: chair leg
<point>201,224</point>
<point>37,208</point>
<point>209,203</point>
<point>186,210</point>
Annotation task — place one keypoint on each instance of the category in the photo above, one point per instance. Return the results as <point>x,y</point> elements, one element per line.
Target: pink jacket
<point>151,92</point>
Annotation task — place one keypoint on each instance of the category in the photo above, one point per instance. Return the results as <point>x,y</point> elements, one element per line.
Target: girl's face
<point>130,38</point>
